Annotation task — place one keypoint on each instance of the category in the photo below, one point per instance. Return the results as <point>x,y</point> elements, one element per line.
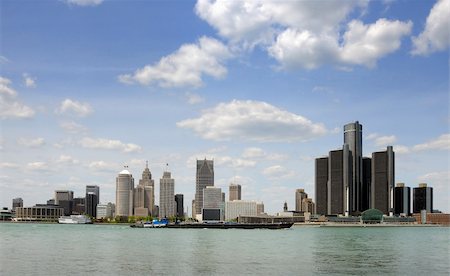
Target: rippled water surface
<point>53,249</point>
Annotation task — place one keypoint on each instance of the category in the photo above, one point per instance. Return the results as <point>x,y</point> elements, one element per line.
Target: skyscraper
<point>91,204</point>
<point>166,196</point>
<point>353,138</point>
<point>299,196</point>
<point>179,201</point>
<point>95,190</point>
<point>235,192</point>
<point>144,196</point>
<point>366,183</point>
<point>383,177</point>
<point>212,199</point>
<point>423,198</point>
<point>64,199</point>
<point>124,193</point>
<point>204,178</point>
<point>321,180</point>
<point>402,199</point>
<point>339,181</point>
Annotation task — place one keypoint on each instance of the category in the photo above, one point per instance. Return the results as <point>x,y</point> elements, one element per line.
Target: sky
<point>263,87</point>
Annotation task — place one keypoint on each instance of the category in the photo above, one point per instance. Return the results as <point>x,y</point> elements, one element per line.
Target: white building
<point>212,199</point>
<point>166,196</point>
<point>236,208</point>
<point>105,210</point>
<point>124,193</point>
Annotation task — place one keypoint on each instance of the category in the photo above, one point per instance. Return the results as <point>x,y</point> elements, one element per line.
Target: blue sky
<point>263,87</point>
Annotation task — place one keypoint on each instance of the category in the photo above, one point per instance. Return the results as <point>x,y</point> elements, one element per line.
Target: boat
<point>74,219</point>
<point>219,225</point>
<point>151,224</point>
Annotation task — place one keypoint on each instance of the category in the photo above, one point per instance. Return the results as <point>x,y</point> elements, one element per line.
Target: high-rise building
<point>17,202</point>
<point>166,196</point>
<point>423,198</point>
<point>64,199</point>
<point>402,199</point>
<point>95,190</point>
<point>383,177</point>
<point>124,193</point>
<point>299,196</point>
<point>78,206</point>
<point>236,208</point>
<point>212,199</point>
<point>91,204</point>
<point>146,191</point>
<point>321,184</point>
<point>204,178</point>
<point>353,138</point>
<point>179,201</point>
<point>235,192</point>
<point>339,181</point>
<point>308,205</point>
<point>366,183</point>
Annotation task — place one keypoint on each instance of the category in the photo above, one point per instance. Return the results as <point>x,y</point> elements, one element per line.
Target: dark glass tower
<point>91,204</point>
<point>402,199</point>
<point>179,205</point>
<point>353,138</point>
<point>366,183</point>
<point>204,178</point>
<point>339,181</point>
<point>383,177</point>
<point>93,189</point>
<point>321,185</point>
<point>423,198</point>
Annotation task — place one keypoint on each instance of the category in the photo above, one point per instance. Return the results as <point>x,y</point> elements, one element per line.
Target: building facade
<point>212,199</point>
<point>17,202</point>
<point>353,138</point>
<point>234,192</point>
<point>204,178</point>
<point>402,200</point>
<point>321,185</point>
<point>339,181</point>
<point>166,196</point>
<point>366,183</point>
<point>124,193</point>
<point>105,211</point>
<point>300,195</point>
<point>383,177</point>
<point>93,189</point>
<point>179,203</point>
<point>145,192</point>
<point>423,198</point>
<point>91,204</point>
<point>236,208</point>
<point>39,213</point>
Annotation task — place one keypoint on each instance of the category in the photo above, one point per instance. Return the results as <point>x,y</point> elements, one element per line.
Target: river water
<point>53,249</point>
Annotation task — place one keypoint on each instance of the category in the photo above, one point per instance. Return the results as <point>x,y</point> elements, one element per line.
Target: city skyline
<point>87,89</point>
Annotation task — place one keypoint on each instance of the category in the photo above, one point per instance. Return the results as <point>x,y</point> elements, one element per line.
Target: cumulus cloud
<point>31,143</point>
<point>436,34</point>
<point>84,3</point>
<point>100,143</point>
<point>73,127</point>
<point>440,143</point>
<point>193,98</point>
<point>382,141</point>
<point>102,166</point>
<point>67,159</point>
<point>305,34</point>
<point>258,153</point>
<point>39,166</point>
<point>9,106</point>
<point>185,67</point>
<point>277,172</point>
<point>76,108</point>
<point>29,81</point>
<point>253,121</point>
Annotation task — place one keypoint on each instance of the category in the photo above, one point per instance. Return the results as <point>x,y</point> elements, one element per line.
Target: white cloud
<point>437,180</point>
<point>73,127</point>
<point>384,141</point>
<point>71,107</point>
<point>67,159</point>
<point>9,106</point>
<point>277,172</point>
<point>254,121</point>
<point>100,143</point>
<point>185,67</point>
<point>253,153</point>
<point>221,160</point>
<point>435,37</point>
<point>103,166</point>
<point>40,166</point>
<point>193,98</point>
<point>440,143</point>
<point>29,81</point>
<point>8,165</point>
<point>84,3</point>
<point>400,149</point>
<point>305,34</point>
<point>31,143</point>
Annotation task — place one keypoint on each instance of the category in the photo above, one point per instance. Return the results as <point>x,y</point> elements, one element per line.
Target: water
<point>53,249</point>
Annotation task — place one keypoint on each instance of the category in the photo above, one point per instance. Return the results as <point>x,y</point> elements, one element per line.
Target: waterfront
<point>43,249</point>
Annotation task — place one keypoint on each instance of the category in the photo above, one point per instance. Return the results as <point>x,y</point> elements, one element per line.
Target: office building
<point>39,212</point>
<point>179,201</point>
<point>91,204</point>
<point>308,206</point>
<point>78,206</point>
<point>64,199</point>
<point>17,202</point>
<point>235,192</point>
<point>321,184</point>
<point>339,181</point>
<point>94,189</point>
<point>145,192</point>
<point>212,199</point>
<point>236,208</point>
<point>366,183</point>
<point>299,196</point>
<point>353,138</point>
<point>124,193</point>
<point>166,196</point>
<point>204,178</point>
<point>423,198</point>
<point>259,208</point>
<point>105,211</point>
<point>383,177</point>
<point>402,200</point>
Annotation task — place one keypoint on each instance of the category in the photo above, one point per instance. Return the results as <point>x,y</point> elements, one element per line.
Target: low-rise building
<point>105,211</point>
<point>39,212</point>
<point>236,208</point>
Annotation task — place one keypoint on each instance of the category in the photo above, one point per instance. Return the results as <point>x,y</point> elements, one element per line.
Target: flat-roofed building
<point>299,196</point>
<point>402,200</point>
<point>17,202</point>
<point>321,184</point>
<point>212,199</point>
<point>40,212</point>
<point>105,211</point>
<point>166,196</point>
<point>423,198</point>
<point>235,192</point>
<point>383,177</point>
<point>236,208</point>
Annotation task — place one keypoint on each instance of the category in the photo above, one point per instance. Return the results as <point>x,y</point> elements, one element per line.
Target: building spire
<point>146,164</point>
